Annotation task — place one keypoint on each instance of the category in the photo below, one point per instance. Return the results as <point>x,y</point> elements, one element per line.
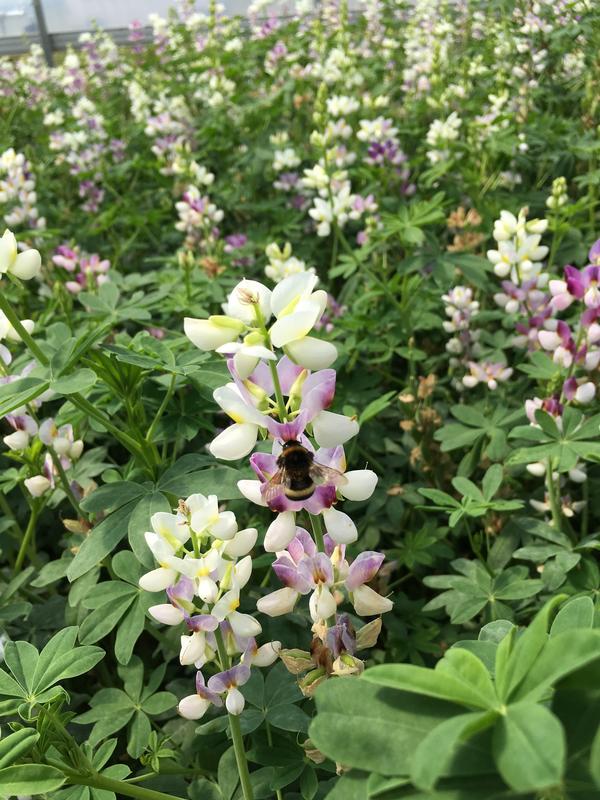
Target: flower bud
<point>311,682</point>
<point>296,661</point>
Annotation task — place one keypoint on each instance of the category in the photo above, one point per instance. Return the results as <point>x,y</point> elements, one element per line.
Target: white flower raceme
<point>203,580</point>
<point>519,254</point>
<point>23,265</point>
<point>285,159</point>
<point>282,263</point>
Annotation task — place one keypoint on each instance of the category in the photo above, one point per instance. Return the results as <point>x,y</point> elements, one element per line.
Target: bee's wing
<point>322,474</point>
<point>275,485</point>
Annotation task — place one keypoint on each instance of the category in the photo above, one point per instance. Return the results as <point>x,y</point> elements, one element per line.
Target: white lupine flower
<point>204,516</point>
<point>285,159</point>
<point>340,105</point>
<point>297,308</point>
<point>25,265</point>
<point>8,332</point>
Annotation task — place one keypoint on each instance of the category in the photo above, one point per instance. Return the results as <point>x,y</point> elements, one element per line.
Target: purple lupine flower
<point>196,705</point>
<point>229,681</point>
<point>580,390</point>
<point>66,257</point>
<point>234,241</point>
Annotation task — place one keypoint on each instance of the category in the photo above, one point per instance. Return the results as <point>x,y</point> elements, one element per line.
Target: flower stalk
<point>234,727</point>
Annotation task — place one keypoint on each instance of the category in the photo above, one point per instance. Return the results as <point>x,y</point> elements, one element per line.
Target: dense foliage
<point>299,355</point>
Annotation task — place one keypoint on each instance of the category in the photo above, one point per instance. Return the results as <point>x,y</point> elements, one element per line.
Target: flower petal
<point>277,603</point>
<point>339,526</point>
<point>332,429</point>
<point>367,602</point>
<point>280,532</point>
<point>361,484</point>
<point>312,353</point>
<point>234,442</point>
<point>26,265</point>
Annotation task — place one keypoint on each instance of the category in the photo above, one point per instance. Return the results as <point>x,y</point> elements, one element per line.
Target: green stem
<point>65,484</point>
<point>26,538</point>
<point>554,504</point>
<point>25,336</point>
<point>120,788</point>
<point>6,509</point>
<point>161,409</point>
<point>270,742</point>
<point>272,365</point>
<point>234,727</point>
<point>278,392</point>
<point>317,529</point>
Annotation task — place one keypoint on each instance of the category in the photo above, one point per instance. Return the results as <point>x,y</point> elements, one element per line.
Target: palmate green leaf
<point>492,480</point>
<point>227,774</point>
<point>529,747</point>
<point>103,538</point>
<point>29,779</point>
<point>138,735</point>
<point>467,668</point>
<point>61,660</point>
<point>203,789</point>
<point>542,367</point>
<point>288,718</point>
<point>131,628</point>
<point>102,621</point>
<point>467,488</point>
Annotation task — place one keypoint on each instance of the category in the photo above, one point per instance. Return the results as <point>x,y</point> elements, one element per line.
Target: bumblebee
<point>298,474</point>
